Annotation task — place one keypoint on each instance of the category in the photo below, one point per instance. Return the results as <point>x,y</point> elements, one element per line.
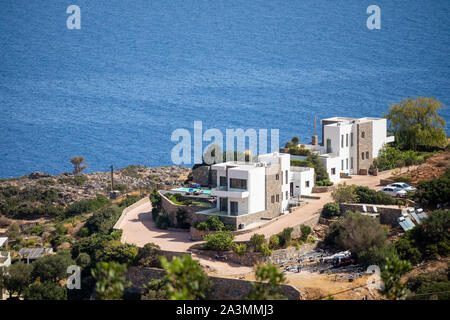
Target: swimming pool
<point>192,190</point>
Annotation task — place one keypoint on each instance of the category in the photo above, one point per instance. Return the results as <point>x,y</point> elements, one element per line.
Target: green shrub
<point>331,210</point>
<point>264,250</point>
<point>155,213</point>
<point>403,179</point>
<point>230,227</point>
<point>285,237</point>
<point>432,192</point>
<point>305,230</point>
<point>162,222</point>
<point>221,241</point>
<point>257,240</point>
<point>85,206</point>
<point>215,223</point>
<point>324,183</point>
<point>103,220</point>
<point>202,226</point>
<point>129,200</point>
<point>240,249</point>
<point>274,241</point>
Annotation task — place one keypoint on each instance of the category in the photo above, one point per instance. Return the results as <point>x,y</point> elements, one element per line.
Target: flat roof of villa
<point>349,119</point>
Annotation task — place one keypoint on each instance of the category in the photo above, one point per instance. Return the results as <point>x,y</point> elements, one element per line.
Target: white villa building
<point>265,187</point>
<point>349,145</point>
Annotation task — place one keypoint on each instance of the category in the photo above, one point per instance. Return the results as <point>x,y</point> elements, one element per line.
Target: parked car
<point>403,186</point>
<point>395,192</point>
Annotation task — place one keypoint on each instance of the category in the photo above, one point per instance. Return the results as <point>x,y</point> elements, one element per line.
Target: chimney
<point>314,139</point>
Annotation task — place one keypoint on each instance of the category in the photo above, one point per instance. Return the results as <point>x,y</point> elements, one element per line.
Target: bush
<point>257,240</point>
<point>285,237</point>
<point>215,223</point>
<point>155,213</point>
<point>240,249</point>
<point>274,241</point>
<point>148,256</point>
<point>83,260</point>
<point>162,222</point>
<point>221,241</point>
<point>306,230</point>
<point>370,196</point>
<point>432,192</point>
<point>264,250</point>
<point>356,233</point>
<point>85,206</point>
<point>202,226</point>
<point>103,220</point>
<point>331,210</point>
<point>324,183</point>
<point>345,193</point>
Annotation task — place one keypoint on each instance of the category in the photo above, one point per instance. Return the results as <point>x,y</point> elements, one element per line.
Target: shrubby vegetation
<point>221,241</point>
<point>427,240</point>
<point>213,223</point>
<point>331,210</point>
<point>392,157</point>
<point>435,191</point>
<point>345,193</point>
<point>429,285</point>
<point>269,283</point>
<point>360,234</point>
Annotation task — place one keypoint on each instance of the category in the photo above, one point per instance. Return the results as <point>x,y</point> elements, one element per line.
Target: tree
<point>269,283</point>
<point>16,278</point>
<point>148,256</point>
<point>185,278</point>
<point>78,164</point>
<point>391,274</point>
<point>118,252</point>
<point>356,233</point>
<point>45,291</point>
<point>345,193</point>
<point>416,122</point>
<point>52,267</point>
<point>110,280</point>
<point>320,171</point>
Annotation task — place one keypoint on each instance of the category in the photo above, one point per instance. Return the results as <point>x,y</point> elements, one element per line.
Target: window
<point>363,134</point>
<point>287,176</point>
<point>333,171</point>
<point>351,163</point>
<point>329,150</point>
<point>223,181</point>
<point>346,140</point>
<point>351,139</point>
<point>307,184</point>
<point>272,199</point>
<point>342,140</point>
<point>287,195</point>
<point>278,198</point>
<point>342,164</point>
<point>346,163</point>
<point>277,177</point>
<point>238,183</point>
<point>367,154</point>
<point>282,178</point>
<point>362,155</point>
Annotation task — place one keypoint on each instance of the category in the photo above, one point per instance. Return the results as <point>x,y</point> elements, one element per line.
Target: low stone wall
<point>288,253</point>
<point>310,222</point>
<point>171,209</point>
<point>388,213</point>
<point>125,211</point>
<point>222,288</point>
<point>318,189</point>
<point>248,259</point>
<point>197,235</point>
<point>385,182</point>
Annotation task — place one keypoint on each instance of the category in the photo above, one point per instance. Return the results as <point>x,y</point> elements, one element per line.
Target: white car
<point>395,192</point>
<point>403,186</point>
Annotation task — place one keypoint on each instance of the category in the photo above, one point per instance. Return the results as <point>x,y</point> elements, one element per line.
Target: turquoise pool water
<point>192,190</point>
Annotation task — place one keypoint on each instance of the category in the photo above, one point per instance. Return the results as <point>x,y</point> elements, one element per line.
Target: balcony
<point>227,192</point>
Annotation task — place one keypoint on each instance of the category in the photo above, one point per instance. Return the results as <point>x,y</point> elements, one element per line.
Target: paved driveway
<point>138,227</point>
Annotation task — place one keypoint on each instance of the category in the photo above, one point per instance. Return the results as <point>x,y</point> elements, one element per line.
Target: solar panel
<point>403,225</point>
<point>409,223</point>
<point>415,216</point>
<point>423,215</point>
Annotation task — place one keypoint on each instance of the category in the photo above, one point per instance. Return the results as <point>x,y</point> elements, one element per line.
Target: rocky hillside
<point>71,188</point>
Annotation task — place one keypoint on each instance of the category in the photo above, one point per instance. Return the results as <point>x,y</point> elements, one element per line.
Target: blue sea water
<point>116,89</point>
